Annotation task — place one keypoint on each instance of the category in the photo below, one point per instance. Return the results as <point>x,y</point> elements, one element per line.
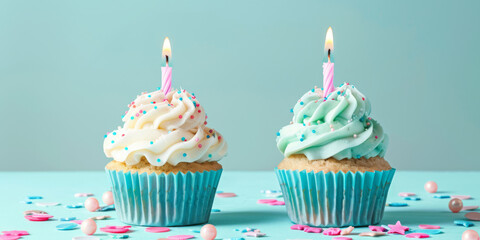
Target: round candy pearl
<point>88,226</point>
<point>431,187</point>
<point>470,235</point>
<point>455,205</point>
<point>91,204</point>
<point>208,232</point>
<point>107,197</point>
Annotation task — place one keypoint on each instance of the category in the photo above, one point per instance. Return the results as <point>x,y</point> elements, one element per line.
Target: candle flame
<point>167,49</point>
<point>329,42</point>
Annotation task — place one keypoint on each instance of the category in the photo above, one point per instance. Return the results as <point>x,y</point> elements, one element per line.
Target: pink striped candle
<point>328,66</point>
<point>166,71</point>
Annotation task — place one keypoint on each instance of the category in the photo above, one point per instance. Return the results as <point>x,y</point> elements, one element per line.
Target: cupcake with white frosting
<point>165,168</point>
<point>334,172</point>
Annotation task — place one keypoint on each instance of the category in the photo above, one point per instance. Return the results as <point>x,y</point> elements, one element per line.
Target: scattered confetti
<point>34,197</point>
<point>74,205</point>
<point>412,198</point>
<point>266,201</point>
<point>181,237</point>
<point>298,227</point>
<point>377,229</point>
<point>462,197</point>
<point>474,216</point>
<point>115,229</point>
<point>469,208</point>
<point>47,204</point>
<point>463,223</point>
<point>106,208</point>
<point>68,218</point>
<point>157,229</point>
<point>341,238</point>
<point>115,236</point>
<point>441,196</point>
<point>406,194</point>
<point>38,217</point>
<point>428,231</point>
<point>27,202</point>
<point>312,230</point>
<point>15,233</point>
<point>100,217</point>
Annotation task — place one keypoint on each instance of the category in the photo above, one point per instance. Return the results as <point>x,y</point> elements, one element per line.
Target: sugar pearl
<point>431,187</point>
<point>89,226</point>
<point>91,204</point>
<point>107,197</point>
<point>208,232</point>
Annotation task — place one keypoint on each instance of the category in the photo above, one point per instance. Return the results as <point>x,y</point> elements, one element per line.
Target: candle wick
<point>166,58</point>
<point>328,55</point>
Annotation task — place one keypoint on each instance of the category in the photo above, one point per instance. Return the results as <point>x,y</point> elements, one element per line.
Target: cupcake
<point>165,168</point>
<point>334,173</point>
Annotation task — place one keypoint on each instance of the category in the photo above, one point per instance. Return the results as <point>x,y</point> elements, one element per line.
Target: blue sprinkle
<point>27,202</point>
<point>158,159</point>
<point>208,136</point>
<point>131,117</point>
<point>180,99</point>
<point>305,116</point>
<point>313,89</point>
<point>155,107</point>
<point>123,115</point>
<point>126,148</point>
<point>144,112</point>
<point>313,131</point>
<point>184,154</point>
<point>105,136</point>
<point>183,138</point>
<point>219,192</point>
<point>151,142</point>
<point>278,133</point>
<point>301,139</point>
<point>149,95</point>
<point>68,219</point>
<point>304,124</point>
<point>115,236</point>
<point>193,230</point>
<point>113,142</point>
<point>441,196</point>
<point>34,197</point>
<point>215,210</point>
<point>359,156</point>
<point>158,88</point>
<point>106,208</point>
<point>303,136</point>
<point>338,92</point>
<point>67,226</point>
<point>395,204</point>
<point>463,223</point>
<point>74,206</point>
<point>209,155</point>
<point>412,198</point>
<point>179,92</point>
<point>114,133</point>
<point>301,103</point>
<point>427,231</point>
<point>291,110</point>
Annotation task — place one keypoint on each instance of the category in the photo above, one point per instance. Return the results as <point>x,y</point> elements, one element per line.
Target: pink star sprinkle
<point>397,228</point>
<point>377,229</point>
<point>332,231</point>
<point>426,226</point>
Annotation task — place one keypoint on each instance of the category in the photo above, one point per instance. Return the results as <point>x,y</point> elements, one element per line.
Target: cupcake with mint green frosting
<point>334,173</point>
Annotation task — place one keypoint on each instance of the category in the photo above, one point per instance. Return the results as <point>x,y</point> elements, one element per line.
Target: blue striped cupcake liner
<point>178,199</point>
<point>335,199</point>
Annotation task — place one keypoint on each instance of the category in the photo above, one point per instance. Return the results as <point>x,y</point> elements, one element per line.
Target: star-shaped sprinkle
<point>397,228</point>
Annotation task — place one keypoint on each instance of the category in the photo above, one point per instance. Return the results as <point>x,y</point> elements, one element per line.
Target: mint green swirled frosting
<point>338,126</point>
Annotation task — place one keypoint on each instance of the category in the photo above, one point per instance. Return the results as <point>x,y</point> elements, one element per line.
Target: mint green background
<point>68,69</point>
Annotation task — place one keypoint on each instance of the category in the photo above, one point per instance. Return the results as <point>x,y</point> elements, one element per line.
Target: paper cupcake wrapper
<point>164,199</point>
<point>335,199</point>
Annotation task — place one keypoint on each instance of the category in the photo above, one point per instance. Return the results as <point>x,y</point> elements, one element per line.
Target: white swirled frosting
<point>165,129</point>
<point>337,126</point>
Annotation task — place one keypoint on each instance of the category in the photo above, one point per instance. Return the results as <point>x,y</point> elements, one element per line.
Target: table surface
<point>236,213</point>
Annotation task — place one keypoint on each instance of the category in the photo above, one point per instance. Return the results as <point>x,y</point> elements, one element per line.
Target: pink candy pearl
<point>431,187</point>
<point>470,235</point>
<point>208,232</point>
<point>91,204</point>
<point>88,226</point>
<point>455,205</point>
<point>107,197</point>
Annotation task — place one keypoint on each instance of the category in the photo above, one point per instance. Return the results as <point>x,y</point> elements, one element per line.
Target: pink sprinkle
<point>225,195</point>
<point>199,145</point>
<point>205,123</point>
<point>277,203</point>
<point>332,231</point>
<point>136,115</point>
<point>180,116</point>
<point>196,139</point>
<point>426,226</point>
<point>312,230</point>
<point>406,194</point>
<point>461,197</point>
<point>77,221</point>
<point>341,238</point>
<point>199,111</point>
<point>377,229</point>
<point>468,208</point>
<point>15,233</point>
<point>180,237</point>
<point>265,201</point>
<point>191,117</point>
<point>417,235</point>
<point>376,137</point>
<point>115,229</point>
<point>157,229</point>
<point>9,237</point>
<point>298,227</point>
<point>219,138</point>
<point>210,131</point>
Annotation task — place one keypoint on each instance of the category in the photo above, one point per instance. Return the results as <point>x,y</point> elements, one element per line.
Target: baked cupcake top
<point>165,129</point>
<point>337,126</point>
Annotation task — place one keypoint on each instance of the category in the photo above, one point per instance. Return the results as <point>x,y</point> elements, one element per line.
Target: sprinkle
<point>301,103</point>
<point>113,142</point>
<point>151,142</point>
<point>376,137</point>
<point>136,115</point>
<point>397,228</point>
<point>199,145</point>
<point>313,131</point>
<point>157,229</point>
<point>132,117</point>
<point>426,226</point>
<point>155,107</point>
<point>278,133</point>
<point>199,111</point>
<point>144,112</point>
<point>180,116</point>
<point>417,235</point>
<point>363,98</point>
<point>406,194</point>
<point>216,210</point>
<point>298,227</point>
<point>301,139</point>
<point>126,148</point>
<point>463,223</point>
<point>191,117</point>
<point>183,138</point>
<point>291,110</point>
<point>354,135</point>
<point>210,155</point>
<point>114,133</point>
<point>105,136</point>
<point>184,154</point>
<point>226,195</point>
<point>396,204</point>
<point>412,198</point>
<point>180,99</point>
<point>158,160</point>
